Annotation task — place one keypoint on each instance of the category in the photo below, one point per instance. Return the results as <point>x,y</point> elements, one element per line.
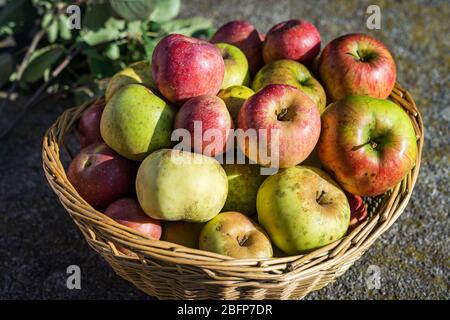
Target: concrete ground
<point>38,239</point>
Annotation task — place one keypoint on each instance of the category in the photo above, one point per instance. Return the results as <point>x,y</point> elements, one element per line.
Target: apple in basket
<point>234,97</point>
<point>128,212</point>
<point>136,122</point>
<point>243,35</point>
<point>302,209</point>
<point>208,122</point>
<point>185,67</point>
<point>292,73</point>
<point>236,235</point>
<point>137,73</point>
<point>101,176</point>
<point>182,233</point>
<point>367,144</point>
<point>358,209</point>
<point>357,64</point>
<point>287,123</point>
<point>236,66</point>
<point>293,39</point>
<point>88,128</point>
<point>179,185</point>
<point>243,184</point>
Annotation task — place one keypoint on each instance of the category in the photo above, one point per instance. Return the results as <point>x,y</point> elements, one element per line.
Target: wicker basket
<point>169,271</point>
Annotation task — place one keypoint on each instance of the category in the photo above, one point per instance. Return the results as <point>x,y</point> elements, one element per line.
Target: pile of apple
<point>338,139</point>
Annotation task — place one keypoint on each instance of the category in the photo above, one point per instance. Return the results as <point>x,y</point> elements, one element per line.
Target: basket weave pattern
<point>170,271</point>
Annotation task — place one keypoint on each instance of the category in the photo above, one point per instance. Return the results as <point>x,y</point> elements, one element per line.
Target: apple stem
<point>242,241</point>
<point>319,198</point>
<point>372,143</point>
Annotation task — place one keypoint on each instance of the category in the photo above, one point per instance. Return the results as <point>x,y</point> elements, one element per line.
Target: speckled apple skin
<point>185,67</point>
<point>243,35</point>
<point>344,74</point>
<point>293,39</point>
<point>101,176</point>
<point>296,136</point>
<point>292,73</point>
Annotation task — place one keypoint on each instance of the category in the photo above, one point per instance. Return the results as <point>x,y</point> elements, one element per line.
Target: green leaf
<point>96,15</point>
<point>6,67</point>
<point>111,31</point>
<point>165,10</point>
<point>16,15</point>
<point>150,44</point>
<point>113,51</point>
<point>186,26</point>
<point>64,30</point>
<point>52,31</point>
<point>134,29</point>
<point>100,66</point>
<point>40,61</point>
<point>132,10</point>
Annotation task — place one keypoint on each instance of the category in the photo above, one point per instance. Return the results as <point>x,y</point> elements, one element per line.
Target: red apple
<point>357,64</point>
<point>243,35</point>
<point>367,144</point>
<point>208,121</point>
<point>88,129</point>
<point>293,39</point>
<point>358,209</point>
<point>128,212</point>
<point>185,67</point>
<point>101,176</point>
<point>289,111</point>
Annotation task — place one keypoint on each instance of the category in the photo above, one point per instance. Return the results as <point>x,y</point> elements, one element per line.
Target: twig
<point>21,68</point>
<point>53,75</point>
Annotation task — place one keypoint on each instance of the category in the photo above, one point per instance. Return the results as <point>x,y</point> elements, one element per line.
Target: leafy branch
<point>38,45</point>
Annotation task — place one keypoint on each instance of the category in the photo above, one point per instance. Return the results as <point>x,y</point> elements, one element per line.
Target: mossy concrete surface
<point>38,240</point>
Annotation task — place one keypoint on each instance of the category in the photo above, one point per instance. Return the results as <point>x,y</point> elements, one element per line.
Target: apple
<point>128,212</point>
<point>243,35</point>
<point>367,144</point>
<point>293,39</point>
<point>235,235</point>
<point>185,67</point>
<point>211,113</point>
<point>358,209</point>
<point>302,209</point>
<point>88,128</point>
<point>182,233</point>
<point>179,185</point>
<point>136,122</point>
<point>292,73</point>
<point>137,73</point>
<point>236,66</point>
<point>101,176</point>
<point>357,64</point>
<point>234,97</point>
<point>282,109</point>
<point>243,184</point>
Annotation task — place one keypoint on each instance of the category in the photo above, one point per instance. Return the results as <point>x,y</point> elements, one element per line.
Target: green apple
<point>135,122</point>
<point>182,233</point>
<point>137,73</point>
<point>234,97</point>
<point>179,185</point>
<point>243,184</point>
<point>302,209</point>
<point>234,234</point>
<point>292,73</point>
<point>236,66</point>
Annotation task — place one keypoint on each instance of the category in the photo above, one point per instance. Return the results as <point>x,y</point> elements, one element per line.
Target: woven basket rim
<point>108,234</point>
